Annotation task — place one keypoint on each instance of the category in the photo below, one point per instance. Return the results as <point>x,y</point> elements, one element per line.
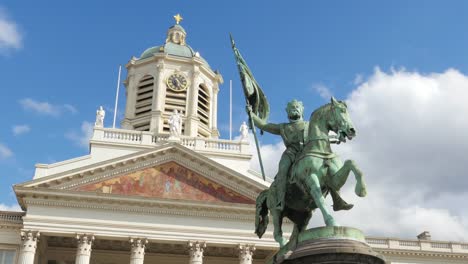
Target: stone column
<point>130,94</point>
<point>138,250</point>
<point>29,241</point>
<point>191,116</point>
<point>214,112</point>
<point>196,252</point>
<point>245,254</point>
<point>159,96</point>
<point>83,251</point>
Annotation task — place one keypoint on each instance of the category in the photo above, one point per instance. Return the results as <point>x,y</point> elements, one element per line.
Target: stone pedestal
<point>328,245</point>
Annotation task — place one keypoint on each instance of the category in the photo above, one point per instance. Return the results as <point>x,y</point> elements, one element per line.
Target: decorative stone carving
<point>244,131</point>
<point>83,250</point>
<point>29,241</point>
<point>245,254</point>
<point>100,114</point>
<point>196,252</point>
<point>138,250</point>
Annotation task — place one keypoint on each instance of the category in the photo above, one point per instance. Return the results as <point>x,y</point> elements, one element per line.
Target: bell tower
<point>172,77</point>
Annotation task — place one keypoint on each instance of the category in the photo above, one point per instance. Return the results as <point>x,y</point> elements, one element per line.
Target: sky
<point>401,66</point>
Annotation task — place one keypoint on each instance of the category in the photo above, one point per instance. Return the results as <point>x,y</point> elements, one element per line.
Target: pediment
<point>166,181</point>
<point>169,172</point>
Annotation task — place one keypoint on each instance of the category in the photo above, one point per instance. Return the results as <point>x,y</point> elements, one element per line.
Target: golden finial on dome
<point>178,18</point>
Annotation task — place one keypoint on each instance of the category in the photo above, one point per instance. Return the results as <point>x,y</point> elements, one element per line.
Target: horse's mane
<point>320,113</point>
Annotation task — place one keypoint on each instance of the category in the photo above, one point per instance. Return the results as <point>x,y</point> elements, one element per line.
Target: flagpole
<point>252,126</point>
<point>230,109</point>
<point>249,107</point>
<point>117,96</point>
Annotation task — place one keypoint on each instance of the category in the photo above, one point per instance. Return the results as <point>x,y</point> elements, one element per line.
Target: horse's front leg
<point>339,175</point>
<point>277,223</point>
<point>313,184</point>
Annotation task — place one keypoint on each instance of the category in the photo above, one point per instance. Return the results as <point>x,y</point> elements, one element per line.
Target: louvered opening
<point>144,96</point>
<point>174,100</point>
<point>203,108</point>
<point>142,126</point>
<point>144,100</point>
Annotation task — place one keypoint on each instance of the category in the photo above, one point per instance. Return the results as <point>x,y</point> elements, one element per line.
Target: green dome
<point>175,45</point>
<point>171,49</point>
<point>177,27</point>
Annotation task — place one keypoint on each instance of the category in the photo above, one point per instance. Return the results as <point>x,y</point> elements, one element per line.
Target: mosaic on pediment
<point>167,181</point>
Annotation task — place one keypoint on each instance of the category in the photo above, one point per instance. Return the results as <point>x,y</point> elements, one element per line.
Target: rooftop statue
<point>308,170</point>
<point>244,131</point>
<point>100,114</point>
<point>175,124</point>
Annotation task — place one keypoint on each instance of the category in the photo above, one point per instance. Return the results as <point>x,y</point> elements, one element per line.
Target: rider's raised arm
<point>268,127</point>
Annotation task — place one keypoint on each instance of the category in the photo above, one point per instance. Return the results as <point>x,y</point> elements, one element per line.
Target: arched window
<point>144,100</point>
<point>203,111</point>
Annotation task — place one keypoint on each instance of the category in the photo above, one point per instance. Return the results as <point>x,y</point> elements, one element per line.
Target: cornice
<point>200,164</point>
<point>134,204</point>
<point>421,253</point>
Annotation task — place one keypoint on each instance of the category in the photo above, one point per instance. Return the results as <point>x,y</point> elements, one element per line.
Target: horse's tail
<point>261,213</point>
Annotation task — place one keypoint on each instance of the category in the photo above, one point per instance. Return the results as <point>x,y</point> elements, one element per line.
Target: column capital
<point>28,235</point>
<point>245,253</point>
<point>29,240</point>
<point>137,252</point>
<point>160,67</point>
<point>196,249</point>
<point>215,89</point>
<point>85,243</point>
<point>138,242</point>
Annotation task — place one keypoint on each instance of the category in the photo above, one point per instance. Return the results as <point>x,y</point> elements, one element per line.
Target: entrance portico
<point>83,249</point>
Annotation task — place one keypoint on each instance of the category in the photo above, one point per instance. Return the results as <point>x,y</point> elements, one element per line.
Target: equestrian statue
<point>308,169</point>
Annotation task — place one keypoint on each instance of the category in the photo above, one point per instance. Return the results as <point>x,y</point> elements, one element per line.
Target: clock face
<point>177,82</point>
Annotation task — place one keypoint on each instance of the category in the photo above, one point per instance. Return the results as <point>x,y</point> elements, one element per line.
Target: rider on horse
<point>294,135</point>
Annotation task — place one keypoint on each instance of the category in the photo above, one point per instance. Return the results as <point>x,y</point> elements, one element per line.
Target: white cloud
<point>358,79</point>
<point>412,147</point>
<point>11,207</point>
<point>46,108</point>
<point>70,108</point>
<point>271,154</point>
<point>323,91</point>
<point>10,37</point>
<point>5,152</point>
<point>82,137</point>
<point>411,144</point>
<point>20,129</point>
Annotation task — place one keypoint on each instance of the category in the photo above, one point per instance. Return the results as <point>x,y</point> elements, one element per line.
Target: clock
<point>177,82</point>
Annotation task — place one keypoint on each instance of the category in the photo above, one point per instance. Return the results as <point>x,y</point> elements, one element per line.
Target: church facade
<point>164,188</point>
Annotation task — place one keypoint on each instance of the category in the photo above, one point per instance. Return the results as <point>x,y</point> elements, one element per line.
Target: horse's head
<point>339,121</point>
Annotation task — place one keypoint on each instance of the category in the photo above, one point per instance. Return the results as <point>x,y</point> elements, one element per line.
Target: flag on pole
<point>252,90</point>
<point>255,98</point>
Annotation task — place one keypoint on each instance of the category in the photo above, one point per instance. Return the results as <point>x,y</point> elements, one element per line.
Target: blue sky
<point>59,61</point>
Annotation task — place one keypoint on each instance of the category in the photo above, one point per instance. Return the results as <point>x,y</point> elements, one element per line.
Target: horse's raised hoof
<point>344,206</point>
<point>360,190</point>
